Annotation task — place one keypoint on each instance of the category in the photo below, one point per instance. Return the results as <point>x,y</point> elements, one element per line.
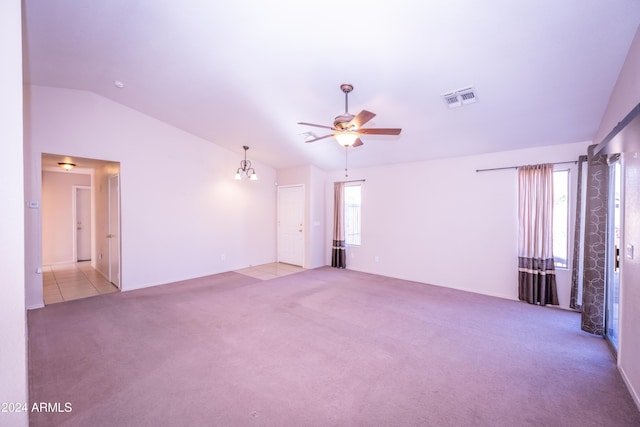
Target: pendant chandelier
<point>245,170</point>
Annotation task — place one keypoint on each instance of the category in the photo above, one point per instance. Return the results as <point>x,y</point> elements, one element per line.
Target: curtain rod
<point>354,180</point>
<point>516,167</point>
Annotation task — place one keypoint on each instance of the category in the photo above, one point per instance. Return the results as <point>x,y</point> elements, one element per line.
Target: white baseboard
<point>48,264</point>
<point>632,391</point>
<point>34,306</point>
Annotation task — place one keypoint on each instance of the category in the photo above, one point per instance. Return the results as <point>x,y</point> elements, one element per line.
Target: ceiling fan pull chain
<point>346,154</point>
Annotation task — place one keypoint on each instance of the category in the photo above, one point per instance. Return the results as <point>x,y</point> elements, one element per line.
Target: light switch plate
<point>629,251</point>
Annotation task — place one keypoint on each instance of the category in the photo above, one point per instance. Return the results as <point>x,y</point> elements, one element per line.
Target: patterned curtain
<point>577,267</point>
<point>536,270</point>
<point>338,253</point>
<point>595,244</point>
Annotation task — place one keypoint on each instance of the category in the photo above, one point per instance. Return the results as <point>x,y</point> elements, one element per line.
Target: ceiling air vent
<point>452,100</point>
<point>460,97</point>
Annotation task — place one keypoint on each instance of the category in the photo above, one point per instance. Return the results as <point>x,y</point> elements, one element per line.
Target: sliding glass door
<point>613,253</point>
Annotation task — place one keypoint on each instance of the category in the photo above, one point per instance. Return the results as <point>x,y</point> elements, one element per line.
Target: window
<point>561,218</point>
<point>352,199</point>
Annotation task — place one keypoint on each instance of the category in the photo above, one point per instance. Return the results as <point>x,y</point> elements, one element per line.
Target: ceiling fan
<point>347,127</point>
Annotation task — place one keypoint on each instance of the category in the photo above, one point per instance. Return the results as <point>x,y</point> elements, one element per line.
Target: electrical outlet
<point>223,257</point>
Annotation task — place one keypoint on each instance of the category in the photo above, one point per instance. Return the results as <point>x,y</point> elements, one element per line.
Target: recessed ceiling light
<point>118,84</point>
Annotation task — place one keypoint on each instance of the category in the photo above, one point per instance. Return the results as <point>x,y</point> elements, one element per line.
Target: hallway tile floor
<point>270,271</point>
<point>66,282</point>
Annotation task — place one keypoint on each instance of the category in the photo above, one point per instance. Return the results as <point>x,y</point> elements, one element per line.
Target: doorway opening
<point>80,227</point>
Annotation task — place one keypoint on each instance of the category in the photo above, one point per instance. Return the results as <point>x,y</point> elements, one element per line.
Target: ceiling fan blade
<point>363,117</point>
<point>358,143</point>
<point>381,131</point>
<point>321,137</point>
<point>318,126</point>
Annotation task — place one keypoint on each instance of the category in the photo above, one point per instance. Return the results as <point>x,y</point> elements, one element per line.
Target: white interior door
<point>291,224</point>
<point>114,230</point>
<point>82,223</point>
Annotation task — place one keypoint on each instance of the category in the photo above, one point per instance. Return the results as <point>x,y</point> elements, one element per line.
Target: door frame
<point>304,233</point>
<point>610,258</point>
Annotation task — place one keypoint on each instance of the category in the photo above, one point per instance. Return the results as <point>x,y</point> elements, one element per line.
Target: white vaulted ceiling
<point>244,72</point>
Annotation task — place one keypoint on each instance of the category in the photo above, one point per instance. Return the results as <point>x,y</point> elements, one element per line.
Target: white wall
<point>183,214</point>
<point>317,219</point>
<point>443,223</point>
<point>629,332</point>
<point>13,349</point>
<point>626,95</point>
<point>626,92</point>
<point>57,215</point>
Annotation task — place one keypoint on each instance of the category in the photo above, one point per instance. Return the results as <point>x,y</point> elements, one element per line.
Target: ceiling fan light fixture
<point>346,138</point>
<point>347,128</point>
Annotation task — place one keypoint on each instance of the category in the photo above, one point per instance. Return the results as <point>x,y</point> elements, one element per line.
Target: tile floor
<point>270,271</point>
<point>65,282</point>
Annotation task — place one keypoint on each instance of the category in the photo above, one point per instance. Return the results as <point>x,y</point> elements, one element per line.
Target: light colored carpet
<point>316,348</point>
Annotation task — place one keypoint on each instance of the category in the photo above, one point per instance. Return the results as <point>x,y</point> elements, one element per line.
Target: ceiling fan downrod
<point>346,88</point>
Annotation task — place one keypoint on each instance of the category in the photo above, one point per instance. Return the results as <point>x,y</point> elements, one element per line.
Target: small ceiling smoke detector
<point>118,84</point>
<point>460,97</point>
